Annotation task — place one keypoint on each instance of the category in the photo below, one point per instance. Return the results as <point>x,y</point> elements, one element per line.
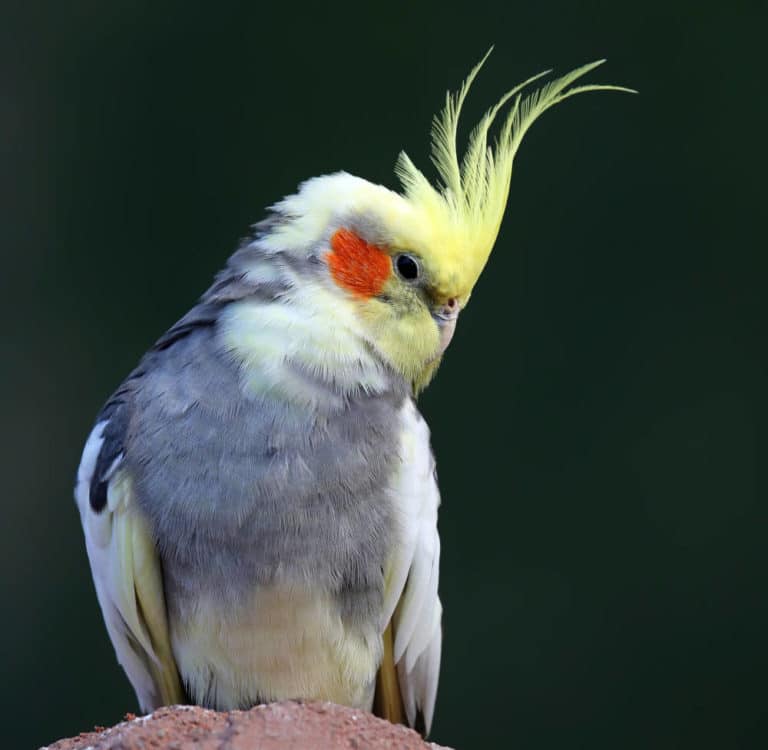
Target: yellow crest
<point>469,204</point>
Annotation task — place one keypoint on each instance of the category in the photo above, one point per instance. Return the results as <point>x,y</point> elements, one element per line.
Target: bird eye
<point>407,266</point>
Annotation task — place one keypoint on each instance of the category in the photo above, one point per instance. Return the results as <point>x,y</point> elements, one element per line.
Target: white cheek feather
<point>314,333</point>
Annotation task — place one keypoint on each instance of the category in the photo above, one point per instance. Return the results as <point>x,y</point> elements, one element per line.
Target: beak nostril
<point>447,311</point>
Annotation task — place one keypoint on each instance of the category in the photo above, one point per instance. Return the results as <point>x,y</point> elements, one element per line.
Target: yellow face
<point>402,271</point>
<point>404,293</point>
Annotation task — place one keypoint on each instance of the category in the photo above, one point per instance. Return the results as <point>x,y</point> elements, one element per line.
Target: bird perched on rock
<point>259,497</point>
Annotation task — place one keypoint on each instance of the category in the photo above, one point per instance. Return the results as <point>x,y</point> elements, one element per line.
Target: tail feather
<point>387,702</point>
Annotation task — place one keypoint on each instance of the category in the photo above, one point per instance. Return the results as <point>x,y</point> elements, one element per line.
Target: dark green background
<point>600,419</point>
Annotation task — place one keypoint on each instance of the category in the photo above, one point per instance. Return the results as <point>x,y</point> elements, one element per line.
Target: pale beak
<point>446,316</point>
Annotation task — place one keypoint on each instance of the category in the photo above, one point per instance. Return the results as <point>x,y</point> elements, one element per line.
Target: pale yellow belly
<point>284,643</point>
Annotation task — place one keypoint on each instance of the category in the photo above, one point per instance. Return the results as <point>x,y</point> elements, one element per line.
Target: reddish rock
<point>278,726</point>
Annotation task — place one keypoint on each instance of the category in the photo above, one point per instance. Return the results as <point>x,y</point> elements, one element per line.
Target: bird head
<point>406,262</point>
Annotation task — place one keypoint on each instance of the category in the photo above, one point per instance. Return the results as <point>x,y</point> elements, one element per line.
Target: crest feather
<point>472,194</point>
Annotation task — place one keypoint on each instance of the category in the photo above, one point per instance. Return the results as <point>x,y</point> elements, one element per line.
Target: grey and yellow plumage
<point>259,497</point>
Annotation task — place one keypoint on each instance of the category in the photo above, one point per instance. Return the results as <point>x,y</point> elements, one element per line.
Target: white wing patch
<point>128,582</point>
<point>412,599</point>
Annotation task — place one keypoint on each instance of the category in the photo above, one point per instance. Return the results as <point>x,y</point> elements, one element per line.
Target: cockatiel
<point>259,497</point>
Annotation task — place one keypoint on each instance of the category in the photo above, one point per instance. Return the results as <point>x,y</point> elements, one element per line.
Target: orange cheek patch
<point>357,266</point>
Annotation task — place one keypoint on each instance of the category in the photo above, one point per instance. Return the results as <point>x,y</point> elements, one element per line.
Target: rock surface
<point>278,726</point>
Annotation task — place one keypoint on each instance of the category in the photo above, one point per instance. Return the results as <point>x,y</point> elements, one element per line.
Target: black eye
<point>407,266</point>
